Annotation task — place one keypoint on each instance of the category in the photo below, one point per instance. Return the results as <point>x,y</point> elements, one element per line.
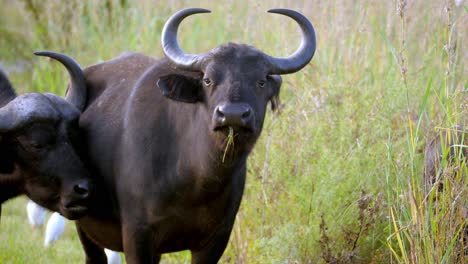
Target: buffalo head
<point>235,82</point>
<point>37,157</point>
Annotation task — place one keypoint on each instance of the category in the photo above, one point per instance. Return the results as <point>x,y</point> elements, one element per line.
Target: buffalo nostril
<point>246,114</point>
<point>219,114</point>
<point>82,189</point>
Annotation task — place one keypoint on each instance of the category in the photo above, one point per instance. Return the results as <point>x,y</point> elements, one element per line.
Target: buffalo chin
<point>74,213</point>
<point>243,139</point>
<point>239,136</point>
<point>74,210</point>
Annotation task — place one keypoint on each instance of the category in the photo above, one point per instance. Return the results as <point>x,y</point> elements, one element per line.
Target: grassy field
<point>337,176</point>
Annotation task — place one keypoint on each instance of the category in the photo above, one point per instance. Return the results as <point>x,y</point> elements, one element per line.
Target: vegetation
<point>336,176</point>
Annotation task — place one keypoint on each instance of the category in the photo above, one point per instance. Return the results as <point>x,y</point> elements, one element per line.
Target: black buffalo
<point>36,153</point>
<point>446,156</point>
<point>170,139</point>
<point>449,146</point>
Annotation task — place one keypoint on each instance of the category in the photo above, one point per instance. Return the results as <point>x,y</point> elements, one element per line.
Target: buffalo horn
<point>170,45</point>
<point>7,94</point>
<point>76,93</point>
<point>6,90</point>
<point>303,54</point>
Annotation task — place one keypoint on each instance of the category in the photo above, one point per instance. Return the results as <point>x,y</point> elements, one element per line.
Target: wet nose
<point>81,189</point>
<point>228,114</point>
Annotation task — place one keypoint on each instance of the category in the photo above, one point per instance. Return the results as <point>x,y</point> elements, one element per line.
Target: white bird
<point>113,257</point>
<point>36,214</point>
<point>54,229</point>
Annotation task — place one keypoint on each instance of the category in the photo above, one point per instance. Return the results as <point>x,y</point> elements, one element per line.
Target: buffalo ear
<point>181,88</point>
<point>275,86</point>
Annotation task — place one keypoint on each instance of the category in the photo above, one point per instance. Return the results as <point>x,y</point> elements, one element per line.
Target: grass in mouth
<point>230,141</point>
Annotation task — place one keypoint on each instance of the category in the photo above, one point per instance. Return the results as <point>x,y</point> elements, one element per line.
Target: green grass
<point>336,177</point>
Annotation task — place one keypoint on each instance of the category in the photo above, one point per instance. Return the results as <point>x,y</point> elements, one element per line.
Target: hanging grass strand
<point>230,141</point>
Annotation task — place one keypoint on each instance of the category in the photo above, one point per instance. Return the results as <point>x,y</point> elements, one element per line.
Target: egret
<point>54,229</point>
<point>113,257</point>
<point>36,214</point>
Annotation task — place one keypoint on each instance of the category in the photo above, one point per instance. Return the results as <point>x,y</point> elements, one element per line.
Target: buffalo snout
<point>236,115</point>
<point>75,201</point>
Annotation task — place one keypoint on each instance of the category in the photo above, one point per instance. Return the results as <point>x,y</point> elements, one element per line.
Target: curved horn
<point>171,46</point>
<point>76,93</point>
<point>303,54</point>
<point>7,93</point>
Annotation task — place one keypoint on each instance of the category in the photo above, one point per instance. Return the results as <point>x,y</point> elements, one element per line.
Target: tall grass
<point>429,225</point>
<point>337,176</point>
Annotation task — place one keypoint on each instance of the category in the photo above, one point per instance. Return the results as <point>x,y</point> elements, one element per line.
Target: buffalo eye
<point>206,81</point>
<point>37,145</point>
<point>261,83</point>
<point>37,137</point>
<point>29,146</point>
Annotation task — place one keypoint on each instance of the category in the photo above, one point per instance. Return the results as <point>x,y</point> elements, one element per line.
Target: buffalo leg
<point>156,258</point>
<point>138,245</point>
<point>94,253</point>
<point>212,252</point>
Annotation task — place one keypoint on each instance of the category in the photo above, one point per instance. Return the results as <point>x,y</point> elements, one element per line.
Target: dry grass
<point>337,176</point>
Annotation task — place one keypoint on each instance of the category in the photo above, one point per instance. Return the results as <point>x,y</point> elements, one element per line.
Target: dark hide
<point>36,153</point>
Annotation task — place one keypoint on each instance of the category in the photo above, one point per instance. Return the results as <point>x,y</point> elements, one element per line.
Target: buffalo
<point>450,146</point>
<point>37,157</point>
<point>446,156</point>
<point>169,140</point>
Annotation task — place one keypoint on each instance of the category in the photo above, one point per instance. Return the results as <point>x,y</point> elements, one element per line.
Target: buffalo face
<point>38,132</point>
<point>234,86</point>
<point>237,88</point>
<point>38,136</point>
